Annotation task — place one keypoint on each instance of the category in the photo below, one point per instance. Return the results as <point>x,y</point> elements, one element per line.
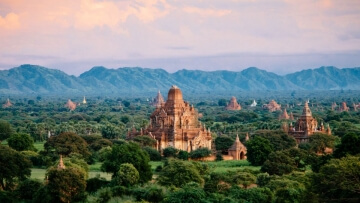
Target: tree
<point>66,185</point>
<point>21,142</point>
<point>145,141</point>
<point>319,142</point>
<point>110,131</point>
<point>191,193</point>
<point>184,155</point>
<point>170,152</point>
<point>67,143</point>
<point>200,153</point>
<point>5,130</point>
<point>13,166</point>
<point>178,173</point>
<point>222,102</point>
<point>100,143</point>
<point>128,153</point>
<point>254,195</point>
<point>127,175</point>
<point>27,188</point>
<point>223,143</point>
<point>278,139</point>
<point>153,154</point>
<point>258,149</point>
<point>349,145</point>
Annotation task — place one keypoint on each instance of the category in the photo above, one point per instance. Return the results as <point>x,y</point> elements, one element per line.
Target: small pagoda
<point>272,106</point>
<point>233,105</point>
<point>237,150</point>
<point>158,100</point>
<point>7,104</point>
<point>70,105</point>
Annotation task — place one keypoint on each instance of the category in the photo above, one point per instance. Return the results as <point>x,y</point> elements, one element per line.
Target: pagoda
<point>284,115</point>
<point>343,107</point>
<point>237,150</point>
<point>7,104</point>
<point>233,105</point>
<point>305,126</point>
<point>272,106</point>
<point>158,100</point>
<point>253,104</point>
<point>70,105</point>
<point>84,100</point>
<point>175,124</point>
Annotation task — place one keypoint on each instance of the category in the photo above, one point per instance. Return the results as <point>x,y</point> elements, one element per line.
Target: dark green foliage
<point>43,196</point>
<point>262,179</point>
<point>178,173</point>
<point>67,143</point>
<point>151,193</point>
<point>126,103</point>
<point>7,196</point>
<point>27,188</point>
<point>145,141</point>
<point>349,145</point>
<point>94,184</point>
<point>98,144</point>
<point>200,153</point>
<point>190,193</point>
<point>319,141</point>
<point>219,156</point>
<point>223,143</point>
<point>284,162</point>
<point>258,149</point>
<point>13,166</point>
<point>5,130</point>
<point>128,153</point>
<point>21,142</point>
<point>287,190</point>
<point>222,102</point>
<point>184,155</point>
<point>158,168</point>
<point>254,195</point>
<point>338,179</point>
<point>126,176</point>
<point>110,131</point>
<point>153,154</point>
<point>170,152</point>
<point>278,139</point>
<point>66,185</point>
<point>104,194</point>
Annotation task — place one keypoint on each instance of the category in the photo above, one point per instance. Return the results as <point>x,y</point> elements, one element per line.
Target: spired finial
<point>61,163</point>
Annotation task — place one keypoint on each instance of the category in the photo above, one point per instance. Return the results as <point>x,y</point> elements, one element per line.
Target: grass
<point>39,145</point>
<point>223,166</point>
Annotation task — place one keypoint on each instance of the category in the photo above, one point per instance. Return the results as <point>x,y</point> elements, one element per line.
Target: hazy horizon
<point>279,36</point>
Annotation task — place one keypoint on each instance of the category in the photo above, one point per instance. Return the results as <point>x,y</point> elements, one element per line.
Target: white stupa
<point>253,104</point>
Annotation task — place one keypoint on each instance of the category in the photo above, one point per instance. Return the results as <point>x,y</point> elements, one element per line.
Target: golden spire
<point>61,163</point>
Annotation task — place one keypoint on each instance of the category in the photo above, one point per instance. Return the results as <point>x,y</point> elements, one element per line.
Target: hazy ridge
<point>33,79</point>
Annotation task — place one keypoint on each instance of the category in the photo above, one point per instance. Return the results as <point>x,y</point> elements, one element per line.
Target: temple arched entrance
<point>242,155</point>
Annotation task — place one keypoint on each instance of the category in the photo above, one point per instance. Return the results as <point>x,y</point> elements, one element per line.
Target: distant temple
<point>305,126</point>
<point>333,106</point>
<point>272,106</point>
<point>253,104</point>
<point>238,149</point>
<point>343,107</point>
<point>233,105</point>
<point>70,105</point>
<point>158,100</point>
<point>284,115</point>
<point>175,124</point>
<point>61,164</point>
<point>84,100</point>
<point>356,106</point>
<point>7,104</point>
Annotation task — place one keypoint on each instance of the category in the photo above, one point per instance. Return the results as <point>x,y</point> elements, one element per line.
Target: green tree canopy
<point>319,142</point>
<point>128,153</point>
<point>145,141</point>
<point>349,145</point>
<point>191,193</point>
<point>66,185</point>
<point>277,138</point>
<point>5,130</point>
<point>67,143</point>
<point>13,166</point>
<point>258,150</point>
<point>21,142</point>
<point>178,173</point>
<point>223,143</point>
<point>127,175</point>
<point>200,153</point>
<point>170,152</point>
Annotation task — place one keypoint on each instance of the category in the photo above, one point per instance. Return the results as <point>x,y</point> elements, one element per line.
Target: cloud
<point>206,12</point>
<point>10,21</point>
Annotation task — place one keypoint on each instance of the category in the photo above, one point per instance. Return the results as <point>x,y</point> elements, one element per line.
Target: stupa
<point>253,104</point>
<point>175,124</point>
<point>284,115</point>
<point>70,105</point>
<point>233,105</point>
<point>84,100</point>
<point>237,150</point>
<point>272,106</point>
<point>7,104</point>
<point>158,100</point>
<point>343,107</point>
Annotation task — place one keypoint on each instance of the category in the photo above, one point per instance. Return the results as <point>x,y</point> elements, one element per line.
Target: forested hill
<point>32,79</point>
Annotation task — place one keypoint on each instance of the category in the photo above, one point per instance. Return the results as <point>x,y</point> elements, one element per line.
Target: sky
<point>280,36</point>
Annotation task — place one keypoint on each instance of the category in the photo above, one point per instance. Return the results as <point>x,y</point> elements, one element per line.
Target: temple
<point>70,105</point>
<point>237,150</point>
<point>343,107</point>
<point>175,124</point>
<point>61,164</point>
<point>284,115</point>
<point>305,126</point>
<point>272,106</point>
<point>233,105</point>
<point>158,100</point>
<point>253,104</point>
<point>84,100</point>
<point>7,104</point>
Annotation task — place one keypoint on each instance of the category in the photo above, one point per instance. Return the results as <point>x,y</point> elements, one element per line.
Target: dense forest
<point>99,164</point>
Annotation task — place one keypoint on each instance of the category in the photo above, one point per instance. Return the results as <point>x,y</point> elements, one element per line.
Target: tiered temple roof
<point>233,105</point>
<point>158,100</point>
<point>284,115</point>
<point>272,106</point>
<point>176,124</point>
<point>343,107</point>
<point>237,150</point>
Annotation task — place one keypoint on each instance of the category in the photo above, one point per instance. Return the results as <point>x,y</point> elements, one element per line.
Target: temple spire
<point>61,163</point>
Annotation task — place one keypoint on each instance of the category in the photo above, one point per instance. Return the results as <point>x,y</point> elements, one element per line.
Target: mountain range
<point>33,79</point>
